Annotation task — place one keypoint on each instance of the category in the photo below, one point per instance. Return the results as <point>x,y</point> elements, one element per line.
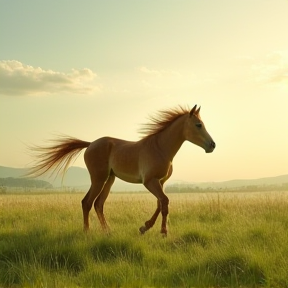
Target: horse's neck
<point>171,139</point>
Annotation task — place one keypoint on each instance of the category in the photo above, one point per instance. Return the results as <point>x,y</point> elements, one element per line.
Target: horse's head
<point>195,131</point>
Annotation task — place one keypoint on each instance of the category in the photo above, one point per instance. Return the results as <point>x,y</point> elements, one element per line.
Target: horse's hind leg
<point>88,200</point>
<point>85,210</point>
<point>99,203</point>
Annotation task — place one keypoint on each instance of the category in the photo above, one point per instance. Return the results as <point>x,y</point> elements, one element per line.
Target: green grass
<point>214,240</point>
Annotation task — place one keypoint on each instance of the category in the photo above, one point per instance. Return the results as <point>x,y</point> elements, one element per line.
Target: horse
<point>147,161</point>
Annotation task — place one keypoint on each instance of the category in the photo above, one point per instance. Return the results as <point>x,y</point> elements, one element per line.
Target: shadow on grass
<point>191,238</point>
<point>108,250</point>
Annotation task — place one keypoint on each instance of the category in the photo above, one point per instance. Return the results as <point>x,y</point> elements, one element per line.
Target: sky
<point>100,68</point>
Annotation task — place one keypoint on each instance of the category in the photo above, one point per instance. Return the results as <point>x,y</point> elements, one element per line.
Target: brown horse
<point>147,161</point>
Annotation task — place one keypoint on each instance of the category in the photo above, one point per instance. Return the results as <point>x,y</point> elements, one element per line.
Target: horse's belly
<point>125,168</point>
<point>127,177</point>
<point>124,161</point>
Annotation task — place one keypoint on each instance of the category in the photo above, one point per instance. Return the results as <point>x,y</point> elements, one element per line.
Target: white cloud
<point>168,81</point>
<point>18,79</point>
<point>273,69</point>
<point>159,73</point>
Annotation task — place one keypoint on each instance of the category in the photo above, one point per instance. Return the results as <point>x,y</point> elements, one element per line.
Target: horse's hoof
<point>142,230</point>
<point>163,233</point>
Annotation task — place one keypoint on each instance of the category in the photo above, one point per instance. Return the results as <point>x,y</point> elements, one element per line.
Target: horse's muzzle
<point>211,147</point>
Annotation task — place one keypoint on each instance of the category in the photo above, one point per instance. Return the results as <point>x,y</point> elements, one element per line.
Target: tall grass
<point>214,240</point>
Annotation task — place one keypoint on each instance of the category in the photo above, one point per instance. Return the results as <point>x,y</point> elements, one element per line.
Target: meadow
<point>214,240</point>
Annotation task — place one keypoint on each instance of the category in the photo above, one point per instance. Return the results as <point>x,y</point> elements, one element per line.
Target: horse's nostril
<point>213,144</point>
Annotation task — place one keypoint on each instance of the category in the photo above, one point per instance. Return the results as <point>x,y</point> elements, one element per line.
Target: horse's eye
<point>199,125</point>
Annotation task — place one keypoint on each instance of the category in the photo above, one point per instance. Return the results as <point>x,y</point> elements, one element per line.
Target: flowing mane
<point>161,120</point>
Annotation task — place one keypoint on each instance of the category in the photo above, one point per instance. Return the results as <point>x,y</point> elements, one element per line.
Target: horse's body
<point>147,161</point>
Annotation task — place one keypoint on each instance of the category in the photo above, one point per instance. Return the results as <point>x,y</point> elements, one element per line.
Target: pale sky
<point>100,68</point>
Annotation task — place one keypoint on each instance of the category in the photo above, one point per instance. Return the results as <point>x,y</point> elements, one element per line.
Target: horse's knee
<point>164,205</point>
<point>98,206</point>
<point>86,206</point>
<point>164,201</point>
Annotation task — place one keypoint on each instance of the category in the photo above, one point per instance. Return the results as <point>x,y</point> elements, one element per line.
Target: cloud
<point>273,69</point>
<point>158,73</point>
<point>18,79</point>
<point>169,80</point>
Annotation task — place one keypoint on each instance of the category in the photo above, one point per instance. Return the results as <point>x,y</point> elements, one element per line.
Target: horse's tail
<point>55,157</point>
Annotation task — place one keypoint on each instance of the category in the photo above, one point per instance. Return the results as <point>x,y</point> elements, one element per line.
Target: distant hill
<point>24,183</point>
<point>11,172</point>
<point>79,178</point>
<point>76,177</point>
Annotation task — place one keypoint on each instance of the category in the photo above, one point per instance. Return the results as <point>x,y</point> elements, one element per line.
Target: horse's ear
<point>192,112</point>
<point>197,111</point>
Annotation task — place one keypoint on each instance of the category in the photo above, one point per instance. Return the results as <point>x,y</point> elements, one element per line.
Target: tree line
<point>176,188</point>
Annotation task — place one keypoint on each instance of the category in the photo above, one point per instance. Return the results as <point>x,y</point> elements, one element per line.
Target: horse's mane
<point>161,120</point>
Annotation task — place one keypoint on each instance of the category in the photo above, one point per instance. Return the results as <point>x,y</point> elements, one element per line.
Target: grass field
<point>214,240</point>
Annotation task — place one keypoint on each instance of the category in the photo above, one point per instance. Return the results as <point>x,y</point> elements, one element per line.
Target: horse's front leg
<point>154,186</point>
<point>150,223</point>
